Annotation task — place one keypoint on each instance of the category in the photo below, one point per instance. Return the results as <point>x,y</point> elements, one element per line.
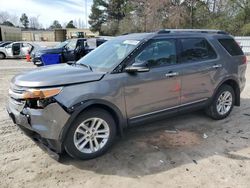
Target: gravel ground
<point>202,153</point>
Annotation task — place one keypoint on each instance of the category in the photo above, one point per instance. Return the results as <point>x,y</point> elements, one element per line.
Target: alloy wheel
<point>224,103</point>
<point>91,135</point>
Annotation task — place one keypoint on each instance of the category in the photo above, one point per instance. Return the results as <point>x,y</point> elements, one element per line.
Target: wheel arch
<point>120,121</point>
<point>3,54</point>
<point>234,84</point>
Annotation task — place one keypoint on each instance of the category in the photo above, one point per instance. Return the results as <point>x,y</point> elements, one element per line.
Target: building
<point>10,33</point>
<point>57,35</point>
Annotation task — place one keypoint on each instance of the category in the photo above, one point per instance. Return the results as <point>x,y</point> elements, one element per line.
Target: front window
<point>107,56</point>
<point>8,46</point>
<point>158,53</point>
<point>72,44</point>
<point>62,44</point>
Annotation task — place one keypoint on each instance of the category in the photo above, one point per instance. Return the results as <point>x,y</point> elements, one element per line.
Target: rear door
<point>201,67</point>
<point>148,93</point>
<point>25,49</point>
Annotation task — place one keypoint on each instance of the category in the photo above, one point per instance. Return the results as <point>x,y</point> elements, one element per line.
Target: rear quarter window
<point>231,47</point>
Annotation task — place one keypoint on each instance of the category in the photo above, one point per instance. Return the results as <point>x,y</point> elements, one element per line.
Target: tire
<point>216,110</point>
<point>80,133</point>
<point>2,55</point>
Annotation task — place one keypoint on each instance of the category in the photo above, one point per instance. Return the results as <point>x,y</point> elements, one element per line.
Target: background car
<point>17,50</point>
<point>102,39</point>
<point>70,50</point>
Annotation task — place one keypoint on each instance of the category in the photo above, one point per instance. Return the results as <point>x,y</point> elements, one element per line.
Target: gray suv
<point>129,80</point>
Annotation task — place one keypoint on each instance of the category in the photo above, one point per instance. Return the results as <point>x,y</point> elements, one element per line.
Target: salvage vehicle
<point>17,50</point>
<point>129,80</point>
<point>70,50</point>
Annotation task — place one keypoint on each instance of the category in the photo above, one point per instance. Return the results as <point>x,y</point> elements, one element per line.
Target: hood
<point>2,49</point>
<point>51,50</point>
<point>56,75</point>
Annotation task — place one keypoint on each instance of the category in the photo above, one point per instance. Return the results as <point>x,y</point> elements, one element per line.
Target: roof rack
<point>212,31</point>
<point>125,33</point>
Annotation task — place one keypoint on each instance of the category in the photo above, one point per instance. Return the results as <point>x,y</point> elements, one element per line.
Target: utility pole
<point>86,13</point>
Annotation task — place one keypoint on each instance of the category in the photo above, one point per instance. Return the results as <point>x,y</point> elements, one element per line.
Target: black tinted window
<point>158,53</point>
<point>196,50</point>
<point>231,46</point>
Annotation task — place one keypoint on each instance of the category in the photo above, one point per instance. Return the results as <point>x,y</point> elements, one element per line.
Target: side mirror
<point>134,69</point>
<point>65,48</point>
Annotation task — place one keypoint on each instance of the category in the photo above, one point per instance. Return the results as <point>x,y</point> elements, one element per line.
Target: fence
<point>244,42</point>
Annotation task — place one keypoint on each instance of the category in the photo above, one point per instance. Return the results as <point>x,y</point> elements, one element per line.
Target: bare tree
<point>4,16</point>
<point>34,22</point>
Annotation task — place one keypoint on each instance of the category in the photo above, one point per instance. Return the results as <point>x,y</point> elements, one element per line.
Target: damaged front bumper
<point>43,125</point>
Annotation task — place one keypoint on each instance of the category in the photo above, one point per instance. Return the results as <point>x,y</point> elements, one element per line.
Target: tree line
<point>114,17</point>
<point>31,22</point>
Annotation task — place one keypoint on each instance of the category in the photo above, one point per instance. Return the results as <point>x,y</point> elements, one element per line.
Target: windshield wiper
<point>85,65</point>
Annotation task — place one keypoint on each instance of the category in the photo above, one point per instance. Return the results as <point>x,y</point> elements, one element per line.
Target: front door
<point>8,49</point>
<point>148,93</point>
<point>201,66</point>
<point>16,49</point>
<point>69,52</point>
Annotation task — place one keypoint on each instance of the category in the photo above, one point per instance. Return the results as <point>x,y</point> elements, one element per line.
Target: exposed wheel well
<point>236,89</point>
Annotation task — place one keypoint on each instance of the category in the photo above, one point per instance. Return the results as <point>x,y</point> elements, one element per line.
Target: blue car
<point>69,50</point>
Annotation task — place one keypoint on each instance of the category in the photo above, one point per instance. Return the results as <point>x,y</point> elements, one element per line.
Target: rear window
<point>231,46</point>
<point>196,49</point>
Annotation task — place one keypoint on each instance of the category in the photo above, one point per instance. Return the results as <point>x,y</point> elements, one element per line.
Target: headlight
<point>41,93</point>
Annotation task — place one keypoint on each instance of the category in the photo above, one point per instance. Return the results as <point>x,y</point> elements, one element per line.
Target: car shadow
<point>164,145</point>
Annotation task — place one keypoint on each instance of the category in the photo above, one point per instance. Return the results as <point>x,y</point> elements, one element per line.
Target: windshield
<point>62,44</point>
<point>110,54</point>
<point>4,44</point>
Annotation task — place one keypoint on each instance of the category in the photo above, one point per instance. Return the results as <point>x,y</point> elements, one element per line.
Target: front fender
<point>80,107</point>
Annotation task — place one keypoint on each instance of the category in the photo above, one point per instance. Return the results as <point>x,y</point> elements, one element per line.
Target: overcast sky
<point>48,10</point>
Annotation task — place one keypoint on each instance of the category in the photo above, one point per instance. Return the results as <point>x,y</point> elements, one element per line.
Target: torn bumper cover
<point>44,126</point>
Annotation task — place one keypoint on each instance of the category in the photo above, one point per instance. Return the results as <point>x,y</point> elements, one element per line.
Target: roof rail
<point>125,33</point>
<point>164,31</point>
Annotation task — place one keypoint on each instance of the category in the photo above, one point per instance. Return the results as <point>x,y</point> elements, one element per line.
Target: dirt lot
<point>203,153</point>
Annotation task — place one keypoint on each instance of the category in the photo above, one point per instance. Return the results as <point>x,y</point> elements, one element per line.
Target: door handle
<point>172,74</point>
<point>217,66</point>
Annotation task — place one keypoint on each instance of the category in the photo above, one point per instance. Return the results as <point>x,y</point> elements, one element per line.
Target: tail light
<point>245,60</point>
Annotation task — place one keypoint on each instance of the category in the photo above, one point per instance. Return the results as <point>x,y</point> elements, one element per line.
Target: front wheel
<point>222,104</point>
<point>91,134</point>
<point>2,56</point>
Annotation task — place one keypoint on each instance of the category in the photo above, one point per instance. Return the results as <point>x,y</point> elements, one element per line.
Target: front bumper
<point>43,125</point>
<point>37,60</point>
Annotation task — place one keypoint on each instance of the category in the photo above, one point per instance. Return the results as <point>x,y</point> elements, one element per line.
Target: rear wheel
<point>223,103</point>
<point>2,55</point>
<point>91,134</point>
